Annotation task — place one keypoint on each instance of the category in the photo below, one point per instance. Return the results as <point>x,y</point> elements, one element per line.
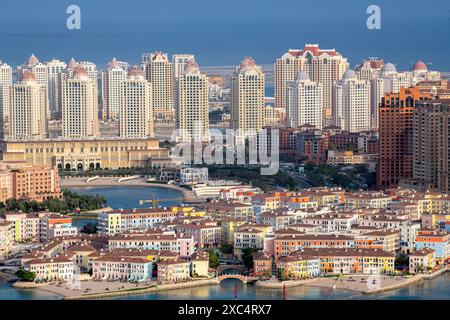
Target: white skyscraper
<point>351,103</point>
<point>55,70</point>
<point>247,98</point>
<point>135,107</point>
<point>5,85</point>
<point>80,105</point>
<point>159,71</point>
<point>324,66</point>
<point>304,102</point>
<point>28,109</point>
<point>192,117</point>
<point>111,79</point>
<point>179,63</point>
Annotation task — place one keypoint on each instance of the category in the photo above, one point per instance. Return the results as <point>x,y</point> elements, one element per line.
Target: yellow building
<point>200,264</point>
<point>85,154</point>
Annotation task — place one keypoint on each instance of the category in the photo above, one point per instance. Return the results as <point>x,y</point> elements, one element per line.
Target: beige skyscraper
<point>179,63</point>
<point>159,71</point>
<point>135,107</point>
<point>80,105</point>
<point>5,85</point>
<point>192,117</point>
<point>40,70</point>
<point>351,103</point>
<point>55,70</point>
<point>304,102</point>
<point>323,66</point>
<point>111,79</point>
<point>247,97</point>
<point>28,109</point>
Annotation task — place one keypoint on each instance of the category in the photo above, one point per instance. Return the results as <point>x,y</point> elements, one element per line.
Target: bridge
<point>244,279</point>
<point>224,267</point>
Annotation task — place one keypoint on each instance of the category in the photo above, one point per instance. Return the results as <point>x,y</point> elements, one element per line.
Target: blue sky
<point>269,10</point>
<point>223,32</point>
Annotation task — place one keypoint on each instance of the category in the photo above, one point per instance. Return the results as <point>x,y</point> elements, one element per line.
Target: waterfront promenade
<point>188,195</point>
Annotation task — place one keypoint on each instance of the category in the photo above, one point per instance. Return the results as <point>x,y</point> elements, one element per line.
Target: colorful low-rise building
<point>422,260</point>
<point>173,271</point>
<point>262,264</point>
<point>434,239</point>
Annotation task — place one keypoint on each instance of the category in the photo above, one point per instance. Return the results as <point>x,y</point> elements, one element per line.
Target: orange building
<point>29,182</point>
<point>262,264</point>
<point>395,116</point>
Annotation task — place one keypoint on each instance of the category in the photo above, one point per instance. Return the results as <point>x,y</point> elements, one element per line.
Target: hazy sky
<point>223,32</point>
<point>224,9</point>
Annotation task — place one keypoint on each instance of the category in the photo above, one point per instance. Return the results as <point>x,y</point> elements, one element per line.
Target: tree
<point>89,228</point>
<point>26,275</point>
<point>247,257</point>
<point>213,259</point>
<point>226,248</point>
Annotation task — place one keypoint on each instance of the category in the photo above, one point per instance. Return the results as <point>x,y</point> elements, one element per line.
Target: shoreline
<point>137,291</point>
<point>188,195</point>
<point>207,282</point>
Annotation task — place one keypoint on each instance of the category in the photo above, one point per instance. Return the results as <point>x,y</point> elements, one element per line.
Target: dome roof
<point>420,66</point>
<point>389,67</point>
<point>302,75</point>
<point>247,64</point>
<point>350,74</point>
<point>79,71</point>
<point>135,71</point>
<point>28,76</point>
<point>114,63</point>
<point>72,64</point>
<point>191,67</point>
<point>32,60</point>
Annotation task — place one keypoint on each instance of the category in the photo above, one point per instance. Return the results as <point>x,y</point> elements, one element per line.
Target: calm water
<point>128,197</point>
<point>433,289</point>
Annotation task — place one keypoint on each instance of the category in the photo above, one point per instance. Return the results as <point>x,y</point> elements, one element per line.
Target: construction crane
<point>154,201</point>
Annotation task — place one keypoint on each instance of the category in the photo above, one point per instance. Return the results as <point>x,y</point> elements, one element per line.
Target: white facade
<point>55,70</point>
<point>80,105</point>
<point>192,117</point>
<point>28,109</point>
<point>5,84</point>
<point>135,107</point>
<point>112,77</point>
<point>179,63</point>
<point>351,103</point>
<point>304,102</point>
<point>247,98</point>
<point>159,71</point>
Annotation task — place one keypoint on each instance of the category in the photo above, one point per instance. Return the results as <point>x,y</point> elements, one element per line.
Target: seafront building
<point>112,78</point>
<point>85,154</point>
<point>56,69</point>
<point>80,106</point>
<point>28,109</point>
<point>304,103</point>
<point>351,103</point>
<point>324,66</point>
<point>396,120</point>
<point>6,81</point>
<point>247,99</point>
<point>191,104</point>
<point>135,105</point>
<point>159,71</point>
